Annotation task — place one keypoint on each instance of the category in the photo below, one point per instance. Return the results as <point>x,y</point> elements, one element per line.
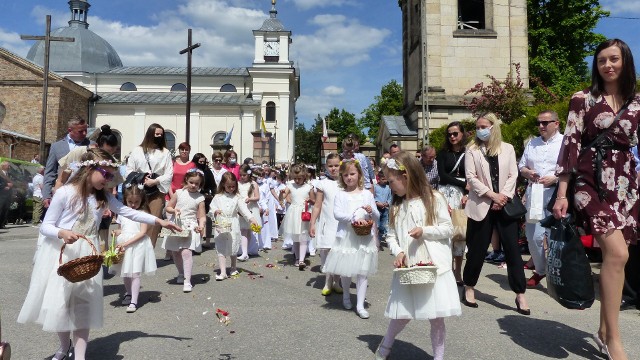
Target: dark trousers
<point>631,290</point>
<point>478,240</point>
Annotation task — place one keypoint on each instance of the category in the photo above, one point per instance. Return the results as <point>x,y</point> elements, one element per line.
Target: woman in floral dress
<point>606,191</point>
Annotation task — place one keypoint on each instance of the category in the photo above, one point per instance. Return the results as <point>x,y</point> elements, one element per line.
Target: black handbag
<point>514,209</point>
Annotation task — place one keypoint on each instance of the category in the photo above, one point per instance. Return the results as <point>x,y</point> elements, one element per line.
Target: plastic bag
<point>569,279</point>
<point>535,204</point>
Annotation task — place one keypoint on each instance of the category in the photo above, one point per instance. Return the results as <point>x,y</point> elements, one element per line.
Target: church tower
<point>276,84</point>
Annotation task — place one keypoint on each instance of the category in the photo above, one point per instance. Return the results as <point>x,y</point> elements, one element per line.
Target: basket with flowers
<point>114,255</point>
<point>222,224</point>
<point>420,273</point>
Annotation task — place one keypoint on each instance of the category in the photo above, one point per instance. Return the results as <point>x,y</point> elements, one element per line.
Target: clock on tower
<point>271,51</point>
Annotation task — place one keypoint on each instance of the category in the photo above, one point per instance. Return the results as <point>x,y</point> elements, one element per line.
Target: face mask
<point>259,181</point>
<point>232,161</point>
<point>158,140</point>
<point>483,134</point>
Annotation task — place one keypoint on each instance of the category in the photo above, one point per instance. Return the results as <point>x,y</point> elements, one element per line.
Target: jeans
<point>383,223</point>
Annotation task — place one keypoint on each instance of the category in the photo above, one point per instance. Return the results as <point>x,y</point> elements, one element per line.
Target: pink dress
<point>178,175</point>
<point>235,170</point>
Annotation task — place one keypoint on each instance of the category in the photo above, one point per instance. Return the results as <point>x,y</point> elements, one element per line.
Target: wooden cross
<point>47,42</point>
<point>189,50</point>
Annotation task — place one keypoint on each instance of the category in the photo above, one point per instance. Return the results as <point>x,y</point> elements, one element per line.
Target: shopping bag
<point>569,279</point>
<point>459,220</point>
<point>536,207</point>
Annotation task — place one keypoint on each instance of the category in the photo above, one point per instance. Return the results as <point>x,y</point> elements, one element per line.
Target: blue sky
<point>346,50</point>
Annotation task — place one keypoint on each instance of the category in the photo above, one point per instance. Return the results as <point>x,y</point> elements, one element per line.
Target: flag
<point>263,129</point>
<point>227,139</point>
<point>325,135</point>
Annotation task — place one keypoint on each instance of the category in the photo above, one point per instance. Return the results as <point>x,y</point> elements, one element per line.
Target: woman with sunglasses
<point>453,184</point>
<point>217,169</point>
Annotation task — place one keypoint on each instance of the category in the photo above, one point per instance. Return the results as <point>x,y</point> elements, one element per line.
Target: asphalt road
<point>278,313</point>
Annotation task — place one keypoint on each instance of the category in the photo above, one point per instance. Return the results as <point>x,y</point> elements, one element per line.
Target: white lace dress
<point>227,238</point>
<point>188,203</point>
<point>427,301</point>
<point>243,190</point>
<point>326,224</point>
<point>292,224</point>
<point>139,257</point>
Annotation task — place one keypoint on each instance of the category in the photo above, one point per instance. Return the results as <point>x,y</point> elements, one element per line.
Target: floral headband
<point>395,165</point>
<point>76,165</point>
<point>195,171</point>
<point>350,160</point>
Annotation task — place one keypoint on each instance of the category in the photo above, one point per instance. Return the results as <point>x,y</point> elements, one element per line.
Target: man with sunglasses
<point>537,165</point>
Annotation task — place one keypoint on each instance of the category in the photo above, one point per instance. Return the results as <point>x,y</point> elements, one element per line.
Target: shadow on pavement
<point>552,339</point>
<point>400,349</point>
<point>107,347</point>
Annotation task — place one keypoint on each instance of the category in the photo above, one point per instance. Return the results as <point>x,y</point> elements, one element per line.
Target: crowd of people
<point>347,212</point>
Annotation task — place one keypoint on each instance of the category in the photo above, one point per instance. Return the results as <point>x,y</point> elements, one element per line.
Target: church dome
<point>88,53</point>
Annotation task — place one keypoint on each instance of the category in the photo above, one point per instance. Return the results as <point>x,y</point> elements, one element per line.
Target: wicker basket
<point>115,259</point>
<point>83,268</point>
<point>417,275</point>
<point>363,230</point>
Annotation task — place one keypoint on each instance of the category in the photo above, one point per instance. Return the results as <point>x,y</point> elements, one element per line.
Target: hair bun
<point>105,130</point>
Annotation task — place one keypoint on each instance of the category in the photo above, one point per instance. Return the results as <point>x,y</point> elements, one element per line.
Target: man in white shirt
<point>38,181</point>
<point>537,165</point>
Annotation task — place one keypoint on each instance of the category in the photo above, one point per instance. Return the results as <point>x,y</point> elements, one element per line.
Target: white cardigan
<point>161,164</point>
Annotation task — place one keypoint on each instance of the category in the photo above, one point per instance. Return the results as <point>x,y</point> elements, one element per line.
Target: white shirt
<point>38,181</point>
<point>542,156</point>
<point>72,143</point>
<point>161,164</point>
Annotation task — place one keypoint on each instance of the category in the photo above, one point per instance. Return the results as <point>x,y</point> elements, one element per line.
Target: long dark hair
<point>148,143</point>
<point>196,160</point>
<point>627,79</point>
<point>447,144</point>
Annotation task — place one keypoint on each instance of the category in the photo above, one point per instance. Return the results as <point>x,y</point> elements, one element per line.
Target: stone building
<point>21,93</point>
<point>462,42</point>
<point>225,101</point>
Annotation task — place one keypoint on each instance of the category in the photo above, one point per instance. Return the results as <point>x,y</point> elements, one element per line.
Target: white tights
<point>361,290</point>
<point>183,259</point>
<point>80,340</point>
<point>438,335</point>
<point>132,285</point>
<point>222,262</point>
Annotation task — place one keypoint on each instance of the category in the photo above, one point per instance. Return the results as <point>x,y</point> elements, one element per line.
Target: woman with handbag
<point>153,158</point>
<point>492,171</point>
<point>453,185</point>
<point>601,127</point>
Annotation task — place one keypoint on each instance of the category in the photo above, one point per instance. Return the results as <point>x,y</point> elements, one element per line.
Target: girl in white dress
<point>264,238</point>
<point>138,250</point>
<point>419,231</point>
<point>248,190</point>
<point>74,214</point>
<point>323,224</point>
<point>297,194</point>
<point>353,254</point>
<point>224,209</point>
<point>188,204</point>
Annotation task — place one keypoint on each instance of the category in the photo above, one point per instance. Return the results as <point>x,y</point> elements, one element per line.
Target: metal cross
<point>45,86</point>
<point>189,50</point>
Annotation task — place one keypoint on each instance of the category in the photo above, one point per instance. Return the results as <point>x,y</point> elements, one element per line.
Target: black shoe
<point>464,301</point>
<point>522,311</point>
<point>627,304</point>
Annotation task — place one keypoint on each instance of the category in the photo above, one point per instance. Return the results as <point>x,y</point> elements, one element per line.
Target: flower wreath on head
<point>356,161</point>
<point>76,165</point>
<point>395,165</point>
<point>196,171</point>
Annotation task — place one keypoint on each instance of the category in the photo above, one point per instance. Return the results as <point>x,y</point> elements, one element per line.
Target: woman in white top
<point>217,170</point>
<point>153,157</point>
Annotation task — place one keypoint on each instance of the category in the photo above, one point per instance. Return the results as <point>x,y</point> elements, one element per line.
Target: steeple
<point>79,10</point>
<point>273,12</point>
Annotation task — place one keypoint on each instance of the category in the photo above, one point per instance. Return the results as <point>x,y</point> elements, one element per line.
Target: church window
<point>218,138</point>
<point>271,112</point>
<point>170,138</point>
<point>128,86</point>
<point>471,14</point>
<point>178,87</point>
<point>228,88</point>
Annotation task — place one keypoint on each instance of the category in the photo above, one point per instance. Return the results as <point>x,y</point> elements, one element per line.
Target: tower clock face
<point>271,48</point>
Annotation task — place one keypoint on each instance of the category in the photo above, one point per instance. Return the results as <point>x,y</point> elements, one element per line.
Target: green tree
<point>560,38</point>
<point>342,122</point>
<point>389,102</point>
<point>307,145</point>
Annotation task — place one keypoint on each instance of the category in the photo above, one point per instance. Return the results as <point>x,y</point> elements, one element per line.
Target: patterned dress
<point>618,208</point>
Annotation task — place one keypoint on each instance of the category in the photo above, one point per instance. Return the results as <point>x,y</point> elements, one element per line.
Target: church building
<point>225,102</point>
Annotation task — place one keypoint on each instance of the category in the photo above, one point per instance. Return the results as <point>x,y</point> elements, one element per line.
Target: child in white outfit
<point>293,226</point>
<point>353,254</point>
<point>139,256</point>
<point>419,231</point>
<point>248,190</point>
<point>188,205</point>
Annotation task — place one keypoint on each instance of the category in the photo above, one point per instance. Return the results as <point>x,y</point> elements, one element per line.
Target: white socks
<point>361,291</point>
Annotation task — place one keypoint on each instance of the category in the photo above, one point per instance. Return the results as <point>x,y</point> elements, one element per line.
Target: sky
<point>345,50</point>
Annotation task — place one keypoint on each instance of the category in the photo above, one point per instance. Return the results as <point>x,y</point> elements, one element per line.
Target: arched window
<point>170,137</point>
<point>271,112</point>
<point>179,87</point>
<point>128,86</point>
<point>228,88</point>
<point>118,153</point>
<point>218,138</point>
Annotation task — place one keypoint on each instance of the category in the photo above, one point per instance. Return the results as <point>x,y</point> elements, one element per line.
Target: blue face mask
<point>484,134</point>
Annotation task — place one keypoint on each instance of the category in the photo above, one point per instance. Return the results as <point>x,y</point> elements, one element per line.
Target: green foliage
<point>342,122</point>
<point>389,102</point>
<point>307,145</point>
<point>560,38</point>
<point>437,137</point>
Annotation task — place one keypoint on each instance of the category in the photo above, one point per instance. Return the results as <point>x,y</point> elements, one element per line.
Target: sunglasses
<point>454,134</point>
<point>105,174</point>
<point>544,123</point>
<point>217,160</point>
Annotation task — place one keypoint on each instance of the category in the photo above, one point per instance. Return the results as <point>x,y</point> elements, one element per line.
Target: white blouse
<point>161,164</point>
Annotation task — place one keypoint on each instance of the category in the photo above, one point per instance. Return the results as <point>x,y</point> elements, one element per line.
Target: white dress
<point>326,224</point>
<point>427,301</point>
<point>243,191</point>
<point>188,203</point>
<point>228,240</point>
<point>138,257</point>
<point>52,301</point>
<point>353,254</point>
<point>292,224</point>
<point>272,205</point>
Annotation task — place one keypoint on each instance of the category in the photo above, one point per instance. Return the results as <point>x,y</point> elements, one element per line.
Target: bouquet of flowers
<point>113,255</point>
<point>256,228</point>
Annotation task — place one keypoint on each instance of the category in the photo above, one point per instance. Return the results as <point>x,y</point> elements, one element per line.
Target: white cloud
<point>12,42</point>
<point>333,90</point>
<point>339,41</point>
<point>621,7</point>
<point>309,4</point>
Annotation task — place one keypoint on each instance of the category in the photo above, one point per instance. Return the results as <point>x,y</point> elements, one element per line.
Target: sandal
<point>379,355</point>
<point>301,265</point>
<point>64,355</point>
<point>132,308</point>
<point>126,300</point>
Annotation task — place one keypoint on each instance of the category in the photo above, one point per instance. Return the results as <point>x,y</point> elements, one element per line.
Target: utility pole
<point>189,51</point>
<point>45,86</point>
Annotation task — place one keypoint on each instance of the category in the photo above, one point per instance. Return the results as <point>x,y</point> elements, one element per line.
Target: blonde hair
<point>495,139</point>
<point>344,164</point>
<point>298,170</point>
<point>82,178</point>
<point>417,186</point>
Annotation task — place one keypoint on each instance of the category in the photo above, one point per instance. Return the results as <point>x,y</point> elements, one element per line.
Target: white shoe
<point>234,273</point>
<point>346,303</point>
<point>187,287</point>
<point>180,279</point>
<point>221,277</point>
<point>364,314</point>
<point>243,258</point>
